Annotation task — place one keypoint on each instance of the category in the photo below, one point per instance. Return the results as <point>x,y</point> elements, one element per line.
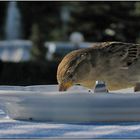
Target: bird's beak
<point>65,86</point>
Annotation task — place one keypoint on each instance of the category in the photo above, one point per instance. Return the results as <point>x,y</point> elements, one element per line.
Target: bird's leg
<point>100,86</point>
<point>137,87</point>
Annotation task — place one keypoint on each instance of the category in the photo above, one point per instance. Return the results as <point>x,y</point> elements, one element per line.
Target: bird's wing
<point>126,53</point>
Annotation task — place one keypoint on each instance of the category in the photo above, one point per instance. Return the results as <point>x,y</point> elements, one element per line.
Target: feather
<point>126,53</point>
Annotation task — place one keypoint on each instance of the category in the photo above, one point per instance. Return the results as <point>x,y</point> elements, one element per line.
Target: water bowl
<point>78,104</point>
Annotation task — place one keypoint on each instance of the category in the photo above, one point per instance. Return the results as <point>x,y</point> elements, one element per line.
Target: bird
<point>116,63</point>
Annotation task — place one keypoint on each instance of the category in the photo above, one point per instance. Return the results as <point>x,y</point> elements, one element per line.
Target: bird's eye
<point>69,74</point>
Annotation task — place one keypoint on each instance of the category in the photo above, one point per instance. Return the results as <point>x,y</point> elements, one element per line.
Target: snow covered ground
<point>22,129</point>
<point>19,129</point>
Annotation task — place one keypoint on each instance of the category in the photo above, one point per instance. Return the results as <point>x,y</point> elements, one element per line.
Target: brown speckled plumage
<point>116,63</point>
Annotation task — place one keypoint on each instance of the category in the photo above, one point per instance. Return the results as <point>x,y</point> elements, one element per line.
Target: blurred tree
<point>3,7</point>
<point>98,21</point>
<point>38,51</point>
<point>97,18</point>
<point>45,14</point>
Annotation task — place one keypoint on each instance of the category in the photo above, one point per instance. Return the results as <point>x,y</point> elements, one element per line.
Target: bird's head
<point>71,71</point>
<point>65,72</point>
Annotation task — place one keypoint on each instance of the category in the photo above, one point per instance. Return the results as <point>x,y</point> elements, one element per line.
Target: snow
<point>21,129</point>
<point>26,129</point>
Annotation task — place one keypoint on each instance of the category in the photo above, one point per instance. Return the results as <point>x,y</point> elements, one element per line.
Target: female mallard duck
<point>116,63</point>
